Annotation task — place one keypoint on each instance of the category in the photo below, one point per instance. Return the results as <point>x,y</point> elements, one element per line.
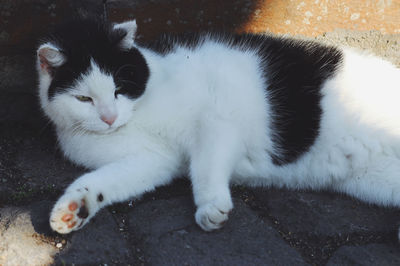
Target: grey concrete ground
<point>267,226</point>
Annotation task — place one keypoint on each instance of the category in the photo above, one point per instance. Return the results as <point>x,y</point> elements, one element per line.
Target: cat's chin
<point>108,130</point>
<point>102,131</point>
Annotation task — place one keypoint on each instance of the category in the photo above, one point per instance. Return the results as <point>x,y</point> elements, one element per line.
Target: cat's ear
<point>129,27</point>
<point>49,57</point>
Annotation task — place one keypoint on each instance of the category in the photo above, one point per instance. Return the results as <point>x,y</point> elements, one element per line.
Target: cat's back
<point>274,80</point>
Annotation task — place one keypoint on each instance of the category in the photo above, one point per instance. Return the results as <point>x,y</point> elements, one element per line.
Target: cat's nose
<point>109,120</point>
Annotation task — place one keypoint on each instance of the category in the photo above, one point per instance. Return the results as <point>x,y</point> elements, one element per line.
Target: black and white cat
<point>248,109</point>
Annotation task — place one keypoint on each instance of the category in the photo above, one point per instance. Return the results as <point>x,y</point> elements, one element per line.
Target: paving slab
<point>325,214</point>
<point>99,242</point>
<point>318,223</point>
<point>169,236</point>
<point>372,254</point>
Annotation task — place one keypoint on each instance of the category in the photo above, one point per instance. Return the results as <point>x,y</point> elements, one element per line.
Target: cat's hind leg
<point>378,182</point>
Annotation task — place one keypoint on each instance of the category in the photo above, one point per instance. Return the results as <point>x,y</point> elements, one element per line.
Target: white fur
<point>211,120</point>
<point>51,54</point>
<point>130,28</point>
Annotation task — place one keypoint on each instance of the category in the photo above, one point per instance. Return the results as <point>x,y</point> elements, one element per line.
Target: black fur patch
<point>100,197</point>
<point>83,212</point>
<point>83,40</point>
<point>167,43</point>
<point>294,72</point>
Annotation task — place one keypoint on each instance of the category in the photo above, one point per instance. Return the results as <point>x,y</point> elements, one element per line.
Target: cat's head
<point>91,75</point>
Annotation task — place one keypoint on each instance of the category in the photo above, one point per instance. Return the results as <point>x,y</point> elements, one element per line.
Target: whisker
<point>46,125</point>
<point>122,67</point>
<point>128,81</point>
<point>77,128</point>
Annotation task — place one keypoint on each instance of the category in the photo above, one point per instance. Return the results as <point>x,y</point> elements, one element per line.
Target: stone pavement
<point>267,227</point>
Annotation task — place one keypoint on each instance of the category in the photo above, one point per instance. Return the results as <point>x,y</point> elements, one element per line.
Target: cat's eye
<point>117,89</point>
<point>83,98</point>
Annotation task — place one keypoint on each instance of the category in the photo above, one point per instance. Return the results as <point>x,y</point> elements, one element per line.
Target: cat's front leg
<point>212,164</point>
<point>111,183</point>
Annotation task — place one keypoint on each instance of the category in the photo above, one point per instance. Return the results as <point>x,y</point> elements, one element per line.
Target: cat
<point>220,108</point>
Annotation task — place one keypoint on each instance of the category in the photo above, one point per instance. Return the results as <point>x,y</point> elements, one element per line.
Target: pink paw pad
<point>67,217</point>
<point>73,206</point>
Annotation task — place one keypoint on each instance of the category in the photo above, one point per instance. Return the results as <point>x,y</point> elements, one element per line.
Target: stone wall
<point>315,17</point>
<point>23,22</point>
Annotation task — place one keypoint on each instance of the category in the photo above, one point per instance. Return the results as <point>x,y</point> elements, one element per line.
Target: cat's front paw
<point>70,213</point>
<point>212,215</point>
